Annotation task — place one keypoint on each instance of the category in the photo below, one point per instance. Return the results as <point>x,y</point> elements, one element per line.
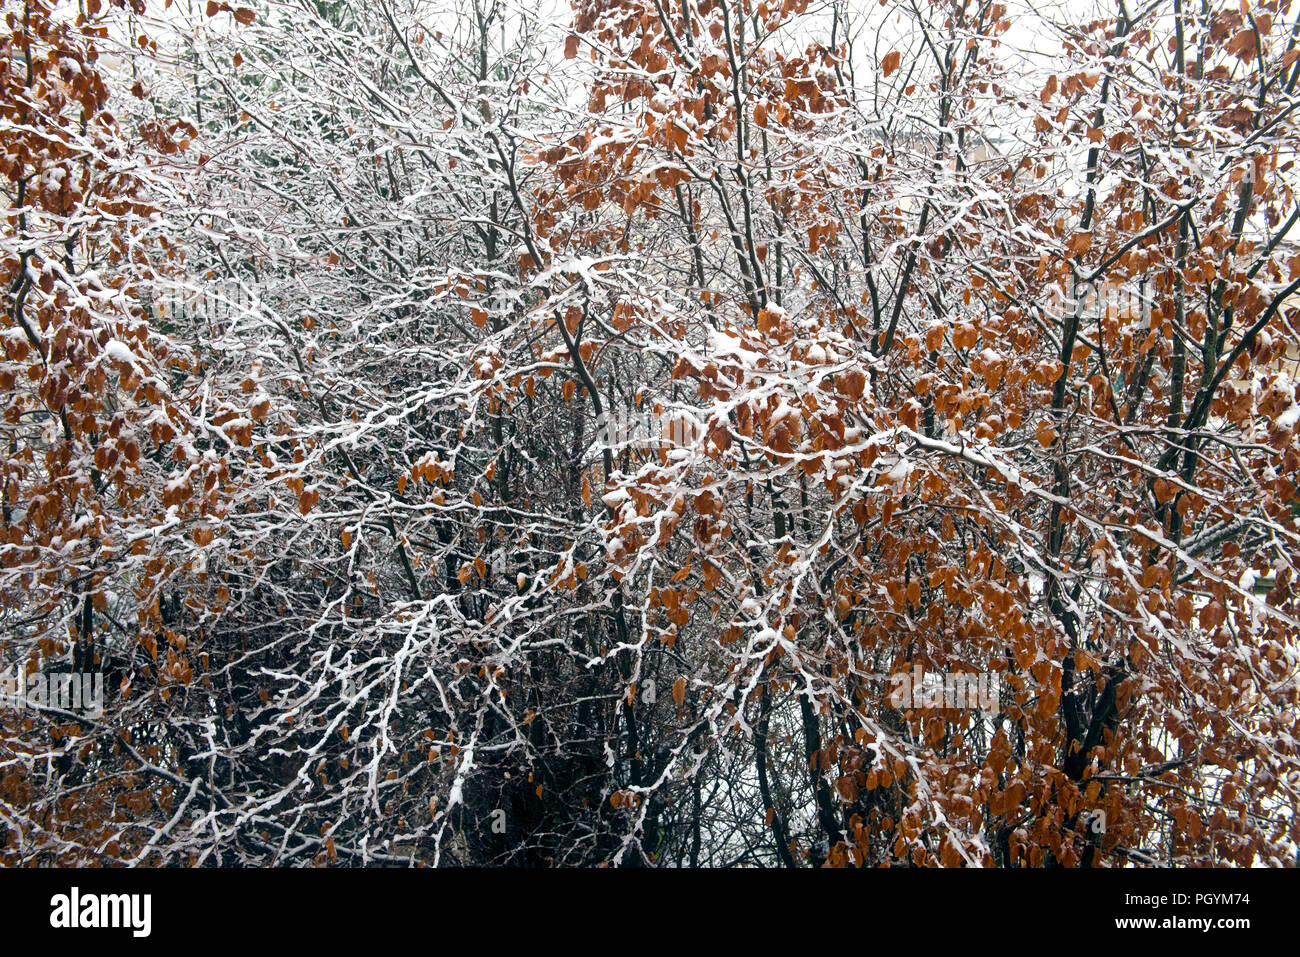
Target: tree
<point>700,434</point>
<point>100,469</point>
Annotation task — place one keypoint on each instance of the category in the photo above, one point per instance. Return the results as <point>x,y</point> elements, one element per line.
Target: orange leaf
<point>891,61</point>
<point>853,383</point>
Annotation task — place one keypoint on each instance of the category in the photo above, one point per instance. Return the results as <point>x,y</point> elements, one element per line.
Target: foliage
<point>468,436</point>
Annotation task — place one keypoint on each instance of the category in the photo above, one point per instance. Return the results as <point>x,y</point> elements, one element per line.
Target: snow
<point>900,472</point>
<point>384,377</point>
<point>615,497</point>
<point>119,351</point>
